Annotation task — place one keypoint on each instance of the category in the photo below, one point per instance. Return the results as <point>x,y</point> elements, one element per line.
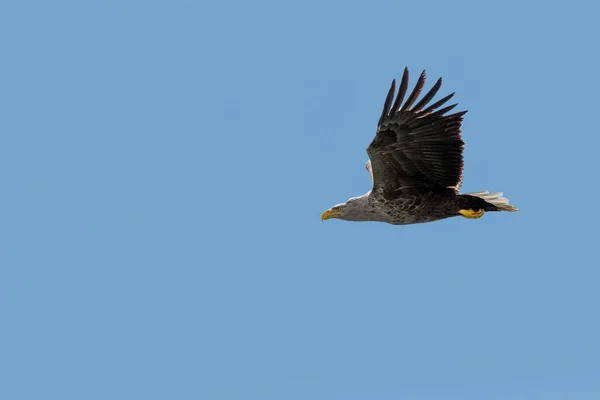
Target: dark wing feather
<point>402,91</point>
<point>417,148</point>
<point>415,93</point>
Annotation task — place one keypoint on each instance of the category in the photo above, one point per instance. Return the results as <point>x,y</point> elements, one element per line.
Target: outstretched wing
<point>418,147</point>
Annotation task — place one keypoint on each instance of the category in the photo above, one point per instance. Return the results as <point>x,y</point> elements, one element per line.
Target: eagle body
<point>418,207</point>
<point>413,207</point>
<point>416,164</point>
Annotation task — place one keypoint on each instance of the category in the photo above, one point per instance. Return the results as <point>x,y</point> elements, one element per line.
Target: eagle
<point>416,164</point>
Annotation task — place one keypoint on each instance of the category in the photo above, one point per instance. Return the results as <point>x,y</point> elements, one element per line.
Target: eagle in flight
<point>416,163</point>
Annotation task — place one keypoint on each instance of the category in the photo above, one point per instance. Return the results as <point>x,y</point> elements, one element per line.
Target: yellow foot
<point>473,214</point>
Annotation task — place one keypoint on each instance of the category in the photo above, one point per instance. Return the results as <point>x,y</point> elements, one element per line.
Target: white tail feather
<point>495,199</point>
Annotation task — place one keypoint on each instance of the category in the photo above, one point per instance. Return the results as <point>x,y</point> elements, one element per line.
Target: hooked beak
<point>331,213</point>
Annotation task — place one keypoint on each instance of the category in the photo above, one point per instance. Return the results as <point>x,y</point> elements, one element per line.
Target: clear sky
<point>165,165</point>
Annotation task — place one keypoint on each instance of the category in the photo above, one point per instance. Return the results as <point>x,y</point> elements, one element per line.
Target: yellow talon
<point>473,214</point>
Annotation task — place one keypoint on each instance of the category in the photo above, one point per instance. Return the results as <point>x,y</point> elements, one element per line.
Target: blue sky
<point>165,165</point>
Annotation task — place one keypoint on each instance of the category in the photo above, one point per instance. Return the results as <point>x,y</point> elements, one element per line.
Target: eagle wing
<point>418,147</point>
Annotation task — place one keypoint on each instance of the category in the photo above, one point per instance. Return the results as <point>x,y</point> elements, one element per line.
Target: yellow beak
<point>331,213</point>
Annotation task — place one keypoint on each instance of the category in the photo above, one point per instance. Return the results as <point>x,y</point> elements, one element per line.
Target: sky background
<point>165,165</point>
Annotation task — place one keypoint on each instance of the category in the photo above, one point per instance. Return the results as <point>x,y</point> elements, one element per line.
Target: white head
<point>355,209</point>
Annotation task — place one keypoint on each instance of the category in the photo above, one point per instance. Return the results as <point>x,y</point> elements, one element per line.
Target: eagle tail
<point>495,199</point>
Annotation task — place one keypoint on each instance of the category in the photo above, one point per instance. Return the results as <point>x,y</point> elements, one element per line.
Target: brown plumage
<point>416,147</point>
